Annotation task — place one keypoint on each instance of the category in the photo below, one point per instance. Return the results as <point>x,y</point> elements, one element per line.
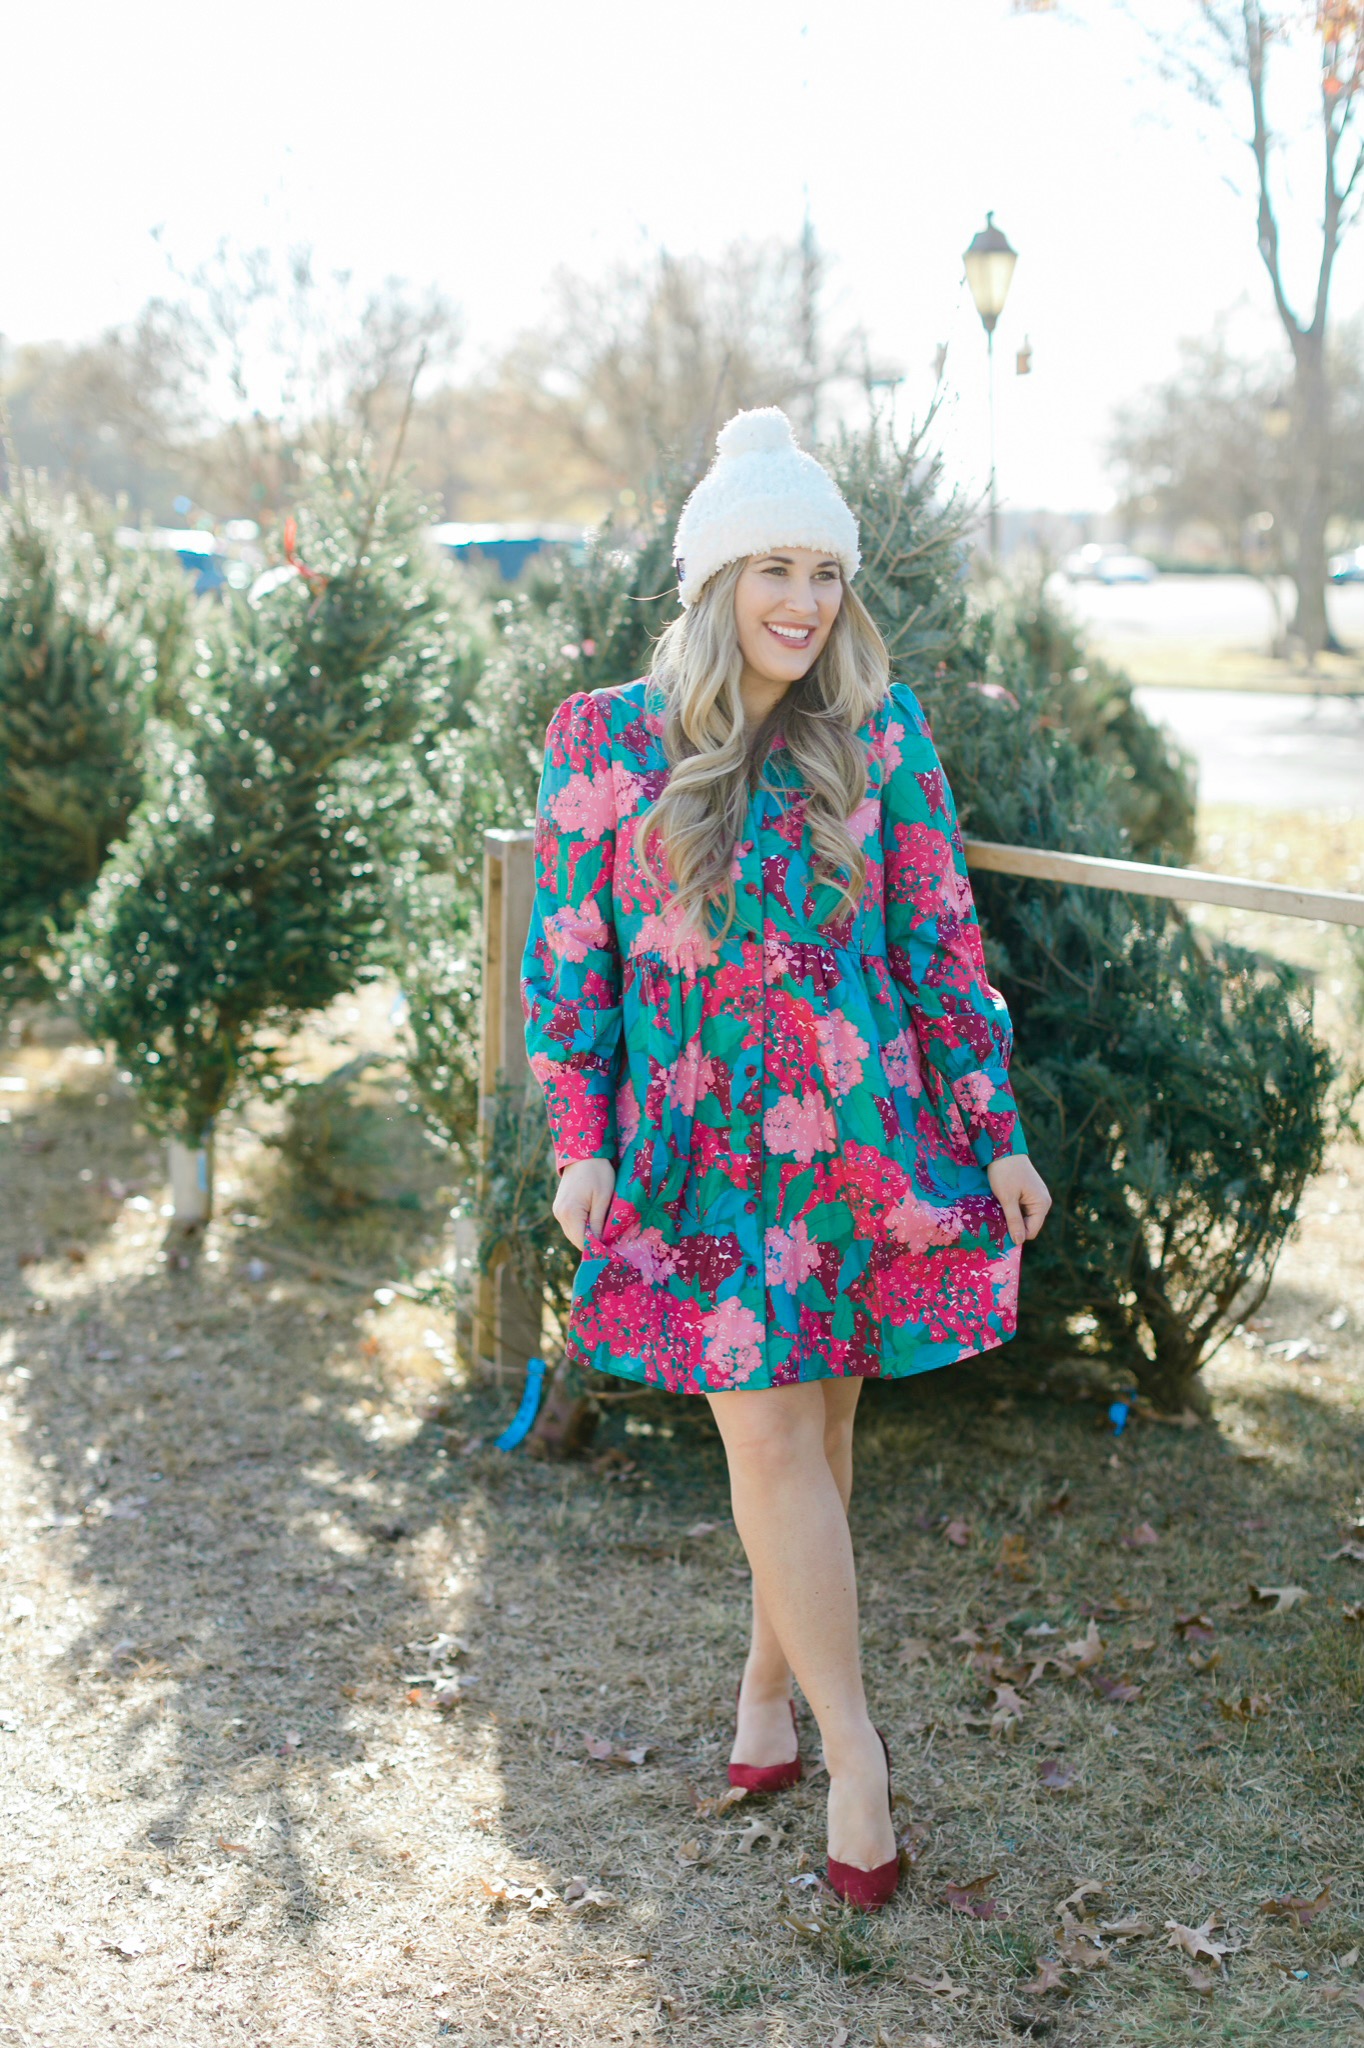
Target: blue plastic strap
<point>520,1425</point>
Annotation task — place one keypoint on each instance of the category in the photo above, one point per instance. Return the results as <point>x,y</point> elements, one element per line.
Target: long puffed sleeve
<point>570,970</point>
<point>933,943</point>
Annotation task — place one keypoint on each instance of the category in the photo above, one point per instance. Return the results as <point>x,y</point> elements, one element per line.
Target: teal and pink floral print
<point>801,1115</point>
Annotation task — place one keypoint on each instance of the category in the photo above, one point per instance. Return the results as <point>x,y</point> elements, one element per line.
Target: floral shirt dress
<point>802,1114</point>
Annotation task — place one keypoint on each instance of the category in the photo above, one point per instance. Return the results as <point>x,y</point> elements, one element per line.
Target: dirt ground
<point>252,1531</point>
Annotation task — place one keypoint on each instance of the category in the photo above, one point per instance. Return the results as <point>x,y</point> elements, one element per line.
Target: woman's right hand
<point>585,1190</point>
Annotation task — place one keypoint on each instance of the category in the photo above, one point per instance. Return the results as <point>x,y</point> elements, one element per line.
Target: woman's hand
<point>1021,1193</point>
<point>585,1191</point>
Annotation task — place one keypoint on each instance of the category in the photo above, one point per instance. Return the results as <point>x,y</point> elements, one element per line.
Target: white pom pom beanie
<point>761,492</point>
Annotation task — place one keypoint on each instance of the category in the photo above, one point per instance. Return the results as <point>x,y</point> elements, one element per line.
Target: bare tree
<point>111,413</point>
<point>1228,59</point>
<point>648,362</point>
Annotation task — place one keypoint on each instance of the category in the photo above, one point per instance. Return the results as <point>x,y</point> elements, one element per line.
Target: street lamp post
<point>990,264</point>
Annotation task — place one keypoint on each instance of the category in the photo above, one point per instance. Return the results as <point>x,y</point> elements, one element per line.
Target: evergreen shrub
<point>250,886</point>
<point>92,640</point>
<point>1174,1093</point>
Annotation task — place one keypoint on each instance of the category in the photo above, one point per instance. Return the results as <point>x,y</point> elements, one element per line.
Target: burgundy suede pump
<point>767,1777</point>
<point>867,1889</point>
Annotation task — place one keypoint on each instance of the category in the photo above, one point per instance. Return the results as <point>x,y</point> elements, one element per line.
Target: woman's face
<point>785,605</point>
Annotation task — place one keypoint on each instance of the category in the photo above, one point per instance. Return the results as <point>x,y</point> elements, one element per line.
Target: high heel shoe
<point>867,1889</point>
<point>767,1777</point>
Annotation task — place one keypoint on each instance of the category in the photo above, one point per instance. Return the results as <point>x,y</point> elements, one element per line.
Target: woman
<point>775,1069</point>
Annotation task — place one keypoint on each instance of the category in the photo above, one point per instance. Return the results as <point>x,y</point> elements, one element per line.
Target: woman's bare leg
<point>790,1514</point>
<point>763,1733</point>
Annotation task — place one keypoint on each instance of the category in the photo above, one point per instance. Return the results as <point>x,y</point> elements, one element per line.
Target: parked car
<point>1347,568</point>
<point>504,548</point>
<point>1099,564</point>
<point>200,554</point>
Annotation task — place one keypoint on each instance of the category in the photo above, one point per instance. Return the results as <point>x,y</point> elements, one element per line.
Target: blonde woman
<point>775,1069</point>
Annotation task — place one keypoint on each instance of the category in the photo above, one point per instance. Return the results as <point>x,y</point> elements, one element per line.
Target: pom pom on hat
<point>764,431</point>
<point>761,492</point>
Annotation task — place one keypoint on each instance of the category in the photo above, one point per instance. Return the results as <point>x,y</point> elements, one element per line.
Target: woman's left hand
<point>1021,1193</point>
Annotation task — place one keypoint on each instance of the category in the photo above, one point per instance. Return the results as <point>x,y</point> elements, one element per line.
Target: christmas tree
<point>1175,1096</point>
<point>90,639</point>
<point>250,885</point>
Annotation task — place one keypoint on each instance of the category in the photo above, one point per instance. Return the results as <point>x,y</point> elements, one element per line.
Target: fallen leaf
<point>757,1831</point>
<point>1085,1653</point>
<point>1353,1611</point>
<point>940,1987</point>
<point>1013,1562</point>
<point>604,1752</point>
<point>1005,1700</point>
<point>129,1945</point>
<point>1201,1981</point>
<point>1057,1775</point>
<point>1126,1930</point>
<point>710,1806</point>
<point>1048,1978</point>
<point>914,1650</point>
<point>687,1852</point>
<point>1348,1960</point>
<point>1120,1692</point>
<point>1204,1660</point>
<point>1352,1550</point>
<point>911,1841</point>
<point>1042,1628</point>
<point>1091,1888</point>
<point>592,1901</point>
<point>1082,1952</point>
<point>700,1529</point>
<point>970,1898</point>
<point>1278,1599</point>
<point>1197,1941</point>
<point>1251,1706</point>
<point>1302,1912</point>
<point>958,1534</point>
<point>1194,1628</point>
<point>1143,1537</point>
<point>537,1898</point>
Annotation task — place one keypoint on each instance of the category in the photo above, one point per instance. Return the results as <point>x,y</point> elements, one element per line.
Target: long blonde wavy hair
<point>715,765</point>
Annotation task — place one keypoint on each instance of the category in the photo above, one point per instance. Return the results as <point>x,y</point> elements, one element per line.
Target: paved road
<point>1282,752</point>
<point>1226,610</point>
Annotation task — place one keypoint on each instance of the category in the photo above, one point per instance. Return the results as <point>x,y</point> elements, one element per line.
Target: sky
<point>481,147</point>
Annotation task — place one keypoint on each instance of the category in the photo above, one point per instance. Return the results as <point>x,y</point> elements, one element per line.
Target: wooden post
<point>506,1322</point>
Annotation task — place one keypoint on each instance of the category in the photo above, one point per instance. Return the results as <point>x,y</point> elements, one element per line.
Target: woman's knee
<point>770,1432</point>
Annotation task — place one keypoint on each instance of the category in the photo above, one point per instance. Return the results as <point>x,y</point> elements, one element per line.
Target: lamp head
<point>989,264</point>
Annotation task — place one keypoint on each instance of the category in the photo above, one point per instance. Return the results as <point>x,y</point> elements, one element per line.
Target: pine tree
<point>89,640</point>
<point>250,886</point>
<point>1175,1095</point>
<point>582,623</point>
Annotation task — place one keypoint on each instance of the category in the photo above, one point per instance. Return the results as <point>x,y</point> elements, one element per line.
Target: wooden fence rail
<point>506,1326</point>
<point>1185,885</point>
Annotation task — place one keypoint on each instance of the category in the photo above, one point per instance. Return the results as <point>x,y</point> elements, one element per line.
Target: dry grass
<point>231,1816</point>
